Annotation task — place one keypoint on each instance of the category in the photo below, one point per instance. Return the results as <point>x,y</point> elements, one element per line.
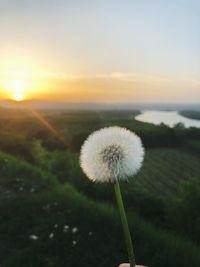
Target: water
<point>169,118</point>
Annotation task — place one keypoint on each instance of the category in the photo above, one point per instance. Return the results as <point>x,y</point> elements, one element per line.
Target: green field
<point>165,168</point>
<point>51,215</point>
<point>38,205</point>
<point>191,114</point>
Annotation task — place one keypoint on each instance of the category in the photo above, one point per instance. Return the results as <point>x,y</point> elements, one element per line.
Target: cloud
<point>127,77</point>
<point>115,86</point>
<point>130,77</point>
<point>120,76</point>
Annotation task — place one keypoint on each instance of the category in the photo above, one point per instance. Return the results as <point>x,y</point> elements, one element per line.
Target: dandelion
<point>111,155</point>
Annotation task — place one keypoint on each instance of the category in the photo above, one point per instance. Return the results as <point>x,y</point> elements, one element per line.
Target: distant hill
<point>44,104</point>
<point>191,114</point>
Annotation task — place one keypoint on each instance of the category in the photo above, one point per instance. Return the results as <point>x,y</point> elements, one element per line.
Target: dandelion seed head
<point>111,154</point>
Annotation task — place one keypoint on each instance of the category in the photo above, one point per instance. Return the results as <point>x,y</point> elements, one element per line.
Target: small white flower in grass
<point>51,235</point>
<point>74,230</point>
<point>46,207</point>
<point>66,228</point>
<point>33,237</point>
<point>56,225</point>
<point>111,154</point>
<point>74,242</point>
<point>32,190</point>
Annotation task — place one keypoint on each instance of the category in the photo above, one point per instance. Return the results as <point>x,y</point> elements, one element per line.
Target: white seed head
<point>111,154</point>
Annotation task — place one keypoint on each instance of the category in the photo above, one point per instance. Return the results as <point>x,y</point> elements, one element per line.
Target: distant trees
<point>192,114</point>
<point>40,155</point>
<point>19,129</point>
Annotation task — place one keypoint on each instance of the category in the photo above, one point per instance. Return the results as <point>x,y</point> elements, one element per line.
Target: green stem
<point>125,226</point>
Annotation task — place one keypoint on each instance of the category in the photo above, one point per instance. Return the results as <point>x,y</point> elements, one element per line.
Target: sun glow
<point>16,89</point>
<point>18,96</point>
<point>21,77</point>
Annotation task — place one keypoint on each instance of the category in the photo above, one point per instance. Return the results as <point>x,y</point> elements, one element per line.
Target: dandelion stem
<point>125,226</point>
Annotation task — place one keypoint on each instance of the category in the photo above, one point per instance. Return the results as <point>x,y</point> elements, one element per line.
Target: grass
<point>165,168</point>
<point>99,239</point>
<point>18,177</point>
<point>46,197</point>
<point>163,171</point>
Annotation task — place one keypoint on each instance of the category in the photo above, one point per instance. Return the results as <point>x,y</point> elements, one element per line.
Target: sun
<point>16,89</point>
<point>18,96</point>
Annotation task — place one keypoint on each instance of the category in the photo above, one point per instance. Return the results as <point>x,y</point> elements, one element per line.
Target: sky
<point>100,51</point>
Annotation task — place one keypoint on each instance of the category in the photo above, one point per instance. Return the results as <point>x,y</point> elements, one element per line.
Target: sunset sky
<point>100,51</point>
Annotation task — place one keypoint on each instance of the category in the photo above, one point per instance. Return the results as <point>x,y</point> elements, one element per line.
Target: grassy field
<point>163,171</point>
<point>51,215</point>
<point>165,168</point>
<point>43,224</point>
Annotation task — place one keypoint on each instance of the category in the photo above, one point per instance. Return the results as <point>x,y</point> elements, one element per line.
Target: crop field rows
<point>164,169</point>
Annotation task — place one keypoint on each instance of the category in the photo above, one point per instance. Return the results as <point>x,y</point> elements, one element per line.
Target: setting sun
<point>16,89</point>
<point>23,84</point>
<point>18,96</point>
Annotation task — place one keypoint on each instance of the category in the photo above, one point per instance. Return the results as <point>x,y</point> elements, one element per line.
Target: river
<point>169,118</point>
